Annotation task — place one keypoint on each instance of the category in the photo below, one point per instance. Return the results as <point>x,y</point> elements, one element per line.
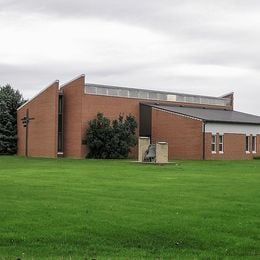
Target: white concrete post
<point>143,144</point>
<point>162,152</point>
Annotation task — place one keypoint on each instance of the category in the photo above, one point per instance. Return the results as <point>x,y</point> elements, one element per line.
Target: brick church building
<point>195,127</point>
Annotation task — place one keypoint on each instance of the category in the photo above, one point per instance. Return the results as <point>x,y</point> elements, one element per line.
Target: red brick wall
<point>111,107</point>
<point>183,135</point>
<point>73,93</point>
<point>43,129</point>
<point>79,109</point>
<point>257,145</point>
<point>234,148</point>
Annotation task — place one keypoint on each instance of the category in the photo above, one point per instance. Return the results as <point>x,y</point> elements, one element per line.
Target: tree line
<point>10,100</point>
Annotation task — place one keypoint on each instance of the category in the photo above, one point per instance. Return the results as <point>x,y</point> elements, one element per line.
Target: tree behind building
<point>10,100</point>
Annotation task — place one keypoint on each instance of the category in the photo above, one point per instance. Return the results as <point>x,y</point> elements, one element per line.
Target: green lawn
<point>118,209</point>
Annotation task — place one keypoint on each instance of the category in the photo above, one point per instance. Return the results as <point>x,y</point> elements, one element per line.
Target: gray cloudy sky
<point>205,46</point>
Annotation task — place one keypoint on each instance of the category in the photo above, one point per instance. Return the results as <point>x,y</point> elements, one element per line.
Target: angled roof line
<point>212,115</point>
<point>56,81</point>
<point>78,77</point>
<point>230,93</point>
<point>179,114</point>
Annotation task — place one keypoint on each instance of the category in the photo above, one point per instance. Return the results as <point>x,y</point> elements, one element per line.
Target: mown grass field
<point>59,209</point>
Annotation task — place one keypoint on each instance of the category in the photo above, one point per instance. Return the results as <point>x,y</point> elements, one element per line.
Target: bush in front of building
<point>111,140</point>
<point>10,100</point>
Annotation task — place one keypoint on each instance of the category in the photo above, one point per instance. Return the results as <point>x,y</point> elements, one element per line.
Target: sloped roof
<point>213,115</point>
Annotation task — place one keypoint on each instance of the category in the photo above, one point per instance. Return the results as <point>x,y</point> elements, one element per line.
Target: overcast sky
<point>208,47</point>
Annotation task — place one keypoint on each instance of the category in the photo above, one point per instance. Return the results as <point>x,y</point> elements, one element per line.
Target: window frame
<point>254,144</point>
<point>221,136</point>
<point>248,144</point>
<point>214,137</point>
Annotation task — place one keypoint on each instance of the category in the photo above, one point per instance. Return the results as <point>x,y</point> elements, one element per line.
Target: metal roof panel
<point>213,115</point>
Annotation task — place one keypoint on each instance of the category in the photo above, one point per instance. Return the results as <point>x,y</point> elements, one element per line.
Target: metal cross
<point>26,120</point>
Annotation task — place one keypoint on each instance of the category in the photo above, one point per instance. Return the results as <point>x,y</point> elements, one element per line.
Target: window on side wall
<point>247,144</point>
<point>221,143</point>
<point>213,144</point>
<point>254,144</point>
